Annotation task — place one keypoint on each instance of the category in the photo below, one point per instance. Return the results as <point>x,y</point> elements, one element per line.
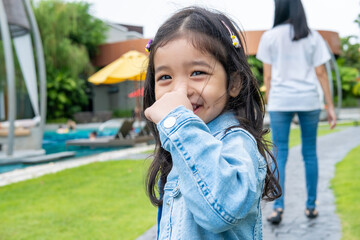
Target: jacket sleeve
<point>217,178</point>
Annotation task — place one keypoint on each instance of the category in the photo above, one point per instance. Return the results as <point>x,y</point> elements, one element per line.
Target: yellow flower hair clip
<point>235,40</point>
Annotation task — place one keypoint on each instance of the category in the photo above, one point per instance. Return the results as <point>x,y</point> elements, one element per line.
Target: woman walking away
<point>293,58</point>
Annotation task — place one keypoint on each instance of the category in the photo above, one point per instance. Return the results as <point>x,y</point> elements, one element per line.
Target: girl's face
<point>179,64</point>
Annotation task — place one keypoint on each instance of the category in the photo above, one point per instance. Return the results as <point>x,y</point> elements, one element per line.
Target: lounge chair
<point>26,133</point>
<point>121,138</point>
<point>18,132</point>
<point>22,123</point>
<point>124,130</point>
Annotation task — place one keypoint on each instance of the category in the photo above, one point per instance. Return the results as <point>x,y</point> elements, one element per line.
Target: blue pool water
<point>54,142</point>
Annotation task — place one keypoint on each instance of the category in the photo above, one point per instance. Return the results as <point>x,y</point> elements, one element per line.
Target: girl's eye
<point>197,73</point>
<point>164,77</point>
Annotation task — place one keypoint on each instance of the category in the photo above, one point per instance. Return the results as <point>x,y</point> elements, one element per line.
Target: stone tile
<point>331,149</point>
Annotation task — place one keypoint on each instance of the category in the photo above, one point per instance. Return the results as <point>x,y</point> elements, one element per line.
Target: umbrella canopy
<point>130,66</point>
<point>137,93</point>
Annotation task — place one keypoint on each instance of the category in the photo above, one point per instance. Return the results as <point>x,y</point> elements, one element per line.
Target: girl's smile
<point>208,177</point>
<point>178,64</point>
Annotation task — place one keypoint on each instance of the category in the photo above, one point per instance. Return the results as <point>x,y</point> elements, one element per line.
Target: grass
<point>98,201</point>
<point>347,193</point>
<point>148,152</point>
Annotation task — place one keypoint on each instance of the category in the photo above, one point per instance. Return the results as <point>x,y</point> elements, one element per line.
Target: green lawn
<point>104,200</point>
<point>346,186</point>
<point>98,201</point>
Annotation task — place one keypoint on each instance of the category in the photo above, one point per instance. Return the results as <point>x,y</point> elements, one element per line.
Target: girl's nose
<point>184,86</point>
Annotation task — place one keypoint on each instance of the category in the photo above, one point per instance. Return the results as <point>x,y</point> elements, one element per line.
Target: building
<point>121,38</point>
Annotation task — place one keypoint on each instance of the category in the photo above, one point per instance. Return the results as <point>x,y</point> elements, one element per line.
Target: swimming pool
<point>54,142</point>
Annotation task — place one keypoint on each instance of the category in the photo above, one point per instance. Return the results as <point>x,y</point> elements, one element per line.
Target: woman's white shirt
<point>294,84</point>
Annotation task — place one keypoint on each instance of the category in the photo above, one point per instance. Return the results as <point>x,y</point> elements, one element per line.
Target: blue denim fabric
<point>214,188</point>
<point>280,128</point>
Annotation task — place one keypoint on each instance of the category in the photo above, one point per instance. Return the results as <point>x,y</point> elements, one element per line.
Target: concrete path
<point>56,166</point>
<point>332,148</point>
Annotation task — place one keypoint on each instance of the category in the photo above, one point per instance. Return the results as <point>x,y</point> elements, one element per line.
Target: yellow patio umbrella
<point>130,66</point>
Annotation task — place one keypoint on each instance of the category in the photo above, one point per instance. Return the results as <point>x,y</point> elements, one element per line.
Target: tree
<point>70,36</point>
<point>350,52</point>
<point>349,68</point>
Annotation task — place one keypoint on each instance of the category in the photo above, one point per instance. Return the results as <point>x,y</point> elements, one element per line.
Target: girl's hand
<point>331,117</point>
<point>168,102</point>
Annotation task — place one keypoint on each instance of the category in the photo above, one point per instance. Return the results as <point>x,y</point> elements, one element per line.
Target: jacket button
<point>169,122</point>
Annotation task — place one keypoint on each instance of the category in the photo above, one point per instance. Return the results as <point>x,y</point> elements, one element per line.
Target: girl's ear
<point>236,85</point>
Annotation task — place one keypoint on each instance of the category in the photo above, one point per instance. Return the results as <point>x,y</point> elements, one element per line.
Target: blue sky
<point>333,15</point>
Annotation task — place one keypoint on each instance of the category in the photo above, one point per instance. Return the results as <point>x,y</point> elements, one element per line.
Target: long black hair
<point>207,31</point>
<point>292,11</point>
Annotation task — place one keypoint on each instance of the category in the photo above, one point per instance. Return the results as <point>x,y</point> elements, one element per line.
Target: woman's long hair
<point>207,31</point>
<point>292,11</point>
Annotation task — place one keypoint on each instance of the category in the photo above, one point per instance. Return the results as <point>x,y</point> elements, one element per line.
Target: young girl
<point>206,113</point>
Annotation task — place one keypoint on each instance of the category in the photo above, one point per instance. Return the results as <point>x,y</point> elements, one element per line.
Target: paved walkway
<point>331,149</point>
<point>56,166</point>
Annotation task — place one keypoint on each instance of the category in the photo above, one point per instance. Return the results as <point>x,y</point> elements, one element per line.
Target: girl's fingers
<point>166,104</point>
<point>147,113</point>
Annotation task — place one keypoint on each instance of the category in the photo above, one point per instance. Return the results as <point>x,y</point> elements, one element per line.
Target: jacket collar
<point>223,121</point>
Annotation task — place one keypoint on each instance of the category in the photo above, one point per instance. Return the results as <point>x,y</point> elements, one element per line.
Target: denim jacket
<point>214,188</point>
